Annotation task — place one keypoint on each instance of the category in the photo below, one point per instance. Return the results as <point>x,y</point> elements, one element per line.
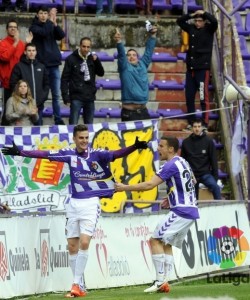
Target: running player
<point>181,200</point>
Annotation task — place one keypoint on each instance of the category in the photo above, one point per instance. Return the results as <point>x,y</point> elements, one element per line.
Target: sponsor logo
<point>4,267</point>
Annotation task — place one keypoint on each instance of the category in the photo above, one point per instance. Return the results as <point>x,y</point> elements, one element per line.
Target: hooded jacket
<point>45,35</point>
<point>200,41</point>
<point>36,75</point>
<point>200,152</point>
<point>73,85</point>
<point>9,56</point>
<point>134,78</point>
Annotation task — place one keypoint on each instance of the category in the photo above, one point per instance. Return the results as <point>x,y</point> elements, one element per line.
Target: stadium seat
<point>92,4</point>
<point>161,5</point>
<point>238,22</point>
<point>167,85</point>
<point>248,23</point>
<point>243,7</point>
<point>192,5</point>
<point>125,4</point>
<point>164,57</point>
<point>109,84</point>
<point>222,175</point>
<point>169,113</point>
<point>182,56</point>
<point>103,56</point>
<point>111,112</point>
<point>212,115</point>
<point>243,47</point>
<point>153,114</point>
<point>65,54</point>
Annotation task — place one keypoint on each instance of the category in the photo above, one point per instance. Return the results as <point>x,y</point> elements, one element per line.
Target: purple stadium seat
<point>246,64</point>
<point>161,5</point>
<point>109,84</point>
<point>34,4</point>
<point>103,56</point>
<point>65,111</point>
<point>243,47</point>
<point>238,22</point>
<point>65,54</point>
<point>192,5</point>
<point>48,112</point>
<point>100,114</point>
<point>153,114</point>
<point>92,3</point>
<point>222,174</point>
<point>182,56</point>
<point>70,4</point>
<point>167,85</point>
<point>212,115</point>
<point>168,113</point>
<point>248,23</point>
<point>111,112</point>
<point>125,4</point>
<point>163,57</point>
<point>243,7</point>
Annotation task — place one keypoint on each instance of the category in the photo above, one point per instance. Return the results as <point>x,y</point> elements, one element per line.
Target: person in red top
<point>11,49</point>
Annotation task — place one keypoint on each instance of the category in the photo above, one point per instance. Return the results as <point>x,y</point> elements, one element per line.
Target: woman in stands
<point>21,108</point>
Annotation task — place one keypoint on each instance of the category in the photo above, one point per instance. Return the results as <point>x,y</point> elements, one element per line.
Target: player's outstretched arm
<point>11,150</point>
<point>126,151</point>
<point>15,151</point>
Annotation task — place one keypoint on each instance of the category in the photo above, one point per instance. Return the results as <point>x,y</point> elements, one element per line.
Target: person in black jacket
<point>46,33</point>
<point>78,82</point>
<point>199,150</point>
<point>201,33</point>
<point>35,73</point>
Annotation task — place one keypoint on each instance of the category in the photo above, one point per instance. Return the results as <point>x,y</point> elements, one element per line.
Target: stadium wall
<point>34,256</point>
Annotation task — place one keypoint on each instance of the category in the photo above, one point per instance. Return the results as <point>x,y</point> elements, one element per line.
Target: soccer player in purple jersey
<point>91,179</point>
<point>181,199</point>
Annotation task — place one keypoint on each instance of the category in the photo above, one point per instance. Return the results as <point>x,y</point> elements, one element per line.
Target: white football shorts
<point>172,229</point>
<point>82,216</point>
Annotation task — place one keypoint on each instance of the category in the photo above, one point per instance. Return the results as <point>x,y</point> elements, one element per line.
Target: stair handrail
<point>228,71</point>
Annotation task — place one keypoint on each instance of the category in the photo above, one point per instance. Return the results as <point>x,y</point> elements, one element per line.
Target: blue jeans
<point>88,111</point>
<point>55,81</point>
<point>209,181</point>
<point>99,6</point>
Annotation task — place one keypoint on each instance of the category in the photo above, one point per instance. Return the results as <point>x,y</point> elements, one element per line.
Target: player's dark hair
<point>172,142</point>
<point>80,127</point>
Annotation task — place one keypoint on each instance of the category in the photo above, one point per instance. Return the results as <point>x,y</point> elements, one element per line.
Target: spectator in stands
<point>35,73</point>
<point>172,229</point>
<point>78,82</point>
<point>199,150</point>
<point>46,34</point>
<point>134,78</point>
<point>91,180</point>
<point>144,8</point>
<point>11,49</point>
<point>21,108</point>
<point>99,7</point>
<point>19,6</point>
<point>201,33</point>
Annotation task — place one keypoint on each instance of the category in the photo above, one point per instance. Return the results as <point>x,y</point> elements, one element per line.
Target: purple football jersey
<point>89,172</point>
<point>180,187</point>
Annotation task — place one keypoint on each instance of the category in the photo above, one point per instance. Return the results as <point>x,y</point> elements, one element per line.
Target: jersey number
<point>188,184</point>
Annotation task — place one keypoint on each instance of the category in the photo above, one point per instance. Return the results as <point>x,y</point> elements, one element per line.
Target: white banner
<point>34,256</point>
